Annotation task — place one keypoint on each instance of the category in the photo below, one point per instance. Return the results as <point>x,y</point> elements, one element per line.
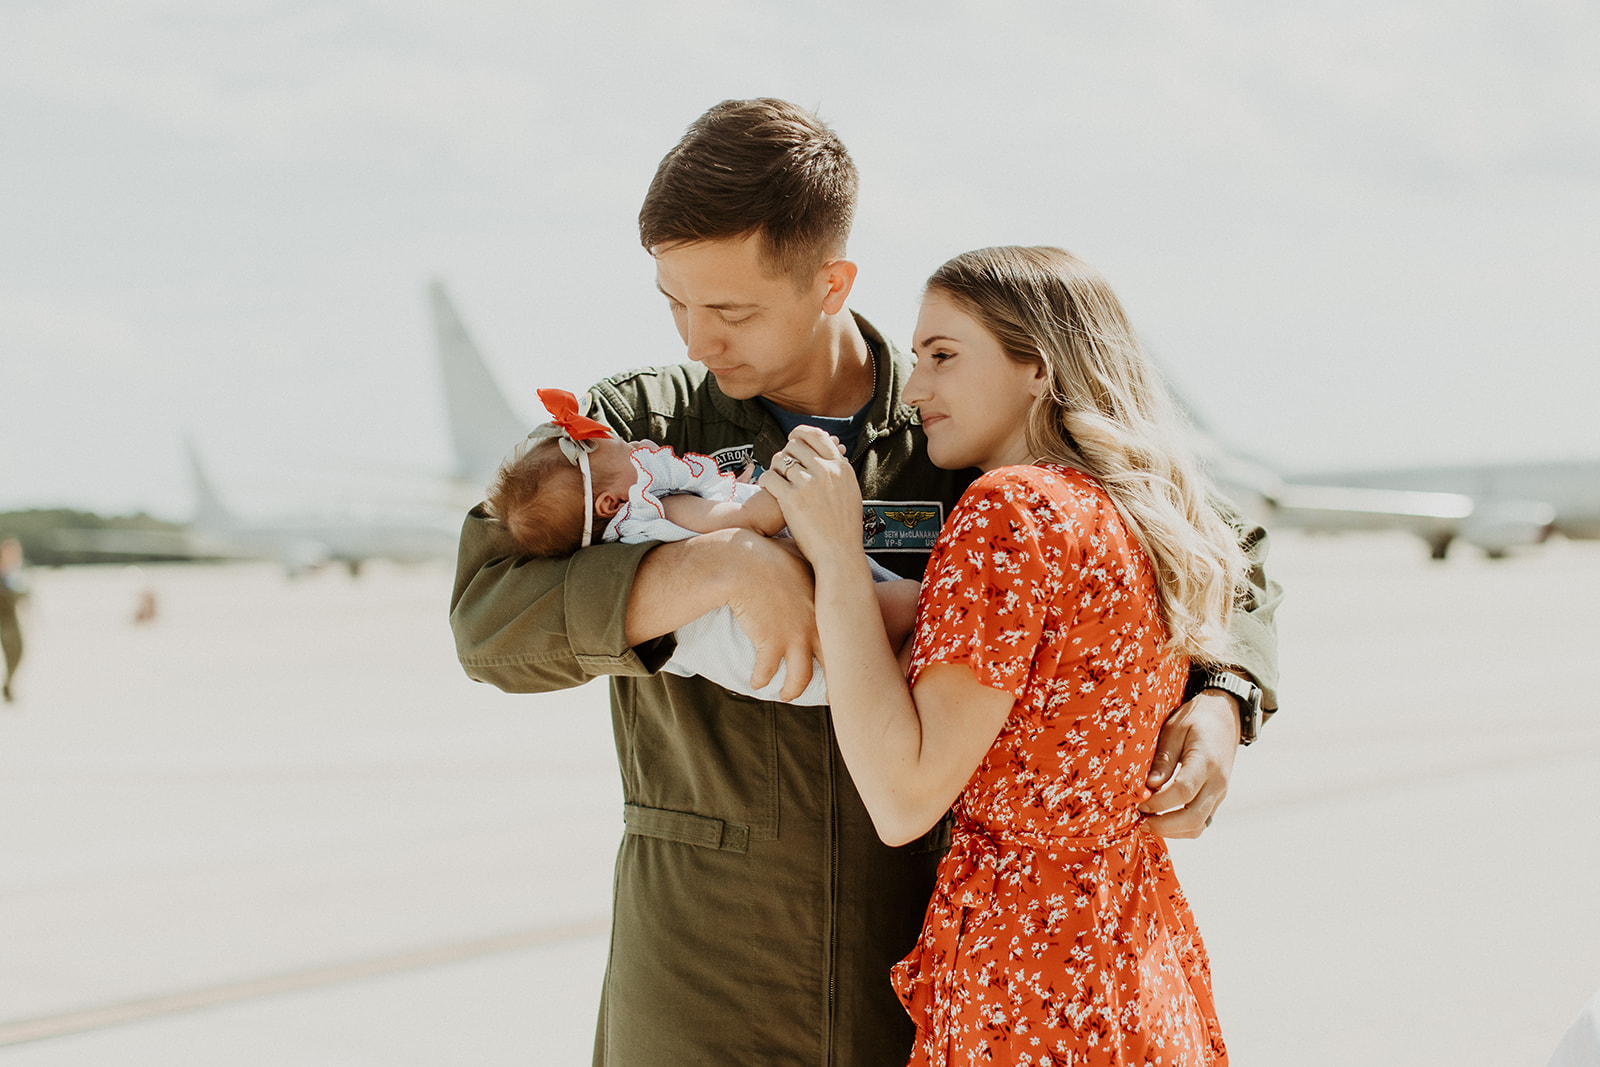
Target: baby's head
<point>537,495</point>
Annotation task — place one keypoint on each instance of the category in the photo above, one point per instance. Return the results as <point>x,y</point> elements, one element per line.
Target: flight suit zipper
<point>830,746</point>
<point>828,1057</point>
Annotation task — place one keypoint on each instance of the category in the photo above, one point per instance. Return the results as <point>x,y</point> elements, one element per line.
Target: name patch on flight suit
<point>900,525</point>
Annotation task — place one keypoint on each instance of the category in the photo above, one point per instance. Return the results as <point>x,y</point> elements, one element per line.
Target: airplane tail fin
<point>209,510</point>
<point>483,427</point>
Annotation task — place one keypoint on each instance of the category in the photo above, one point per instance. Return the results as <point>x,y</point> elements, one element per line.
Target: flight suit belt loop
<point>686,828</point>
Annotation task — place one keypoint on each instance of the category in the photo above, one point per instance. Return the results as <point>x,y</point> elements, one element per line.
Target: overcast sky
<point>1356,233</point>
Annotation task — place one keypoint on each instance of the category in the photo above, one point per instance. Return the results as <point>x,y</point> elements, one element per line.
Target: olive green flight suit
<point>756,913</point>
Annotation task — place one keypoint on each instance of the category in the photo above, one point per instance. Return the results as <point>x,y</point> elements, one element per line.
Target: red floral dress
<point>1057,933</point>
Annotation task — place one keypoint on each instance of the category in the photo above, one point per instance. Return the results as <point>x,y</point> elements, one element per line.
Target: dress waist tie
<point>979,863</point>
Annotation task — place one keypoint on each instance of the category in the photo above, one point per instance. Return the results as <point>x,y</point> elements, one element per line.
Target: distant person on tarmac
<point>13,590</point>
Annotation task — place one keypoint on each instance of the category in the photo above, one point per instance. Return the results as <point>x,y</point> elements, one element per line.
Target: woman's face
<point>974,400</point>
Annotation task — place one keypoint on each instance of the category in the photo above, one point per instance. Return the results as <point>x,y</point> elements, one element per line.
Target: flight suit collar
<point>887,415</point>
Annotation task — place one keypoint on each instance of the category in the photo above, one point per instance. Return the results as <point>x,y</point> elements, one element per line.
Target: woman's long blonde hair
<point>1106,411</point>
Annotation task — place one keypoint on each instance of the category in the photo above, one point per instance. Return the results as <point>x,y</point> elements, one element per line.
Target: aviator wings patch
<point>909,519</point>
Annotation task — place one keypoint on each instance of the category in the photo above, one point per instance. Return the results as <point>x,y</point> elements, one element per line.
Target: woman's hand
<point>821,500</point>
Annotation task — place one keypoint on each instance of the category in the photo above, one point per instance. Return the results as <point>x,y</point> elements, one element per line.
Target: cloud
<point>274,80</point>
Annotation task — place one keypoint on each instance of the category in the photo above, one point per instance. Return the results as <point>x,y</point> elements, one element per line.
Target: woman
<point>1068,593</point>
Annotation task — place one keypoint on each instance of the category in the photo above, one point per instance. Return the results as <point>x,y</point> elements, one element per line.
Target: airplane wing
<point>1434,508</point>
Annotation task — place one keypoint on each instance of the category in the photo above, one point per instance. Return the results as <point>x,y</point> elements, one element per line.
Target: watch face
<point>1250,716</point>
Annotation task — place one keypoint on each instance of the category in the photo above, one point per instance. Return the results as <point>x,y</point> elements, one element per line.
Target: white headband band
<point>577,453</point>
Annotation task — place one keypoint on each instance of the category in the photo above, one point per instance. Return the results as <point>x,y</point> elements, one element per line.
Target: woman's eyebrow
<point>931,338</point>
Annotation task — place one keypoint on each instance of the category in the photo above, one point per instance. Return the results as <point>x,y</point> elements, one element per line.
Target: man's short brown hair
<point>756,166</point>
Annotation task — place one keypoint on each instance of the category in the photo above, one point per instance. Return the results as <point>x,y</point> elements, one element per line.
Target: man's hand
<point>774,603</point>
<point>764,580</point>
<point>1193,762</point>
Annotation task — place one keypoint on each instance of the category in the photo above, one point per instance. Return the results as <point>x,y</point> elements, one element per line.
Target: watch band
<point>1247,692</point>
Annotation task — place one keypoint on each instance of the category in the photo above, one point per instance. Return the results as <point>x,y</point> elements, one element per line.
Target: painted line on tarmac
<point>83,1020</point>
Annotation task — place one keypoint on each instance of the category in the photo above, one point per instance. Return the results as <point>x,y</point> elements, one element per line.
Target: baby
<point>572,477</point>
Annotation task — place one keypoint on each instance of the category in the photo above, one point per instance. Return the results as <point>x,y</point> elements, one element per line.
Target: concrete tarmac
<point>277,825</point>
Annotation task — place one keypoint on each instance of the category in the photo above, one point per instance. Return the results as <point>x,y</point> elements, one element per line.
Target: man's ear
<point>837,277</point>
<point>607,504</point>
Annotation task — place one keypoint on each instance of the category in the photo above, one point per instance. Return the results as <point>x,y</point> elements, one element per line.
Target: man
<point>756,912</point>
<point>13,590</point>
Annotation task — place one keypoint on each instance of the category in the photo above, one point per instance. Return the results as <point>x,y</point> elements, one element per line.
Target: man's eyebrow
<point>726,306</point>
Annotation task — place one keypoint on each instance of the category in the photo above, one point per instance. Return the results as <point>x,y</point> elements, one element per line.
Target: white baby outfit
<point>711,646</point>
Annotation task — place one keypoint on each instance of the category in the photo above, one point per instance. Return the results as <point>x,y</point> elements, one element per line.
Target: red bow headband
<point>563,409</point>
<point>576,434</point>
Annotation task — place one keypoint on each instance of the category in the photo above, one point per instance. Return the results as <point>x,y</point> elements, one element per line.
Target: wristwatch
<point>1248,692</point>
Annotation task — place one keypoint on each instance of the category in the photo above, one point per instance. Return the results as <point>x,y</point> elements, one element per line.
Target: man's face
<point>753,329</point>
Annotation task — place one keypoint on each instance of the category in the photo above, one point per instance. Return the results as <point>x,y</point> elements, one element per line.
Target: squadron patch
<point>900,525</point>
<point>734,460</point>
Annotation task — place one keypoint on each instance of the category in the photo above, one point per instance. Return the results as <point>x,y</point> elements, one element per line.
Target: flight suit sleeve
<point>529,625</point>
<point>1254,628</point>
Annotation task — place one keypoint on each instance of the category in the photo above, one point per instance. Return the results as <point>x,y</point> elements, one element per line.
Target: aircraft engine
<point>304,554</point>
<point>1497,526</point>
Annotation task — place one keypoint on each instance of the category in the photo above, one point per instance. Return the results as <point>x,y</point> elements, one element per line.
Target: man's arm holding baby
<point>537,625</point>
<point>767,586</point>
<point>770,592</point>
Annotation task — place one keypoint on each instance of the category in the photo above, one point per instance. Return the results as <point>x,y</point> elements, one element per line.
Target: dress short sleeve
<point>993,584</point>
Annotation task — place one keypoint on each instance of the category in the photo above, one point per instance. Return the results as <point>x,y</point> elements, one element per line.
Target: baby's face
<point>613,472</point>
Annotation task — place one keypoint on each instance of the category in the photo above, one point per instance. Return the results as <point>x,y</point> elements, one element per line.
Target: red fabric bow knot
<point>563,409</point>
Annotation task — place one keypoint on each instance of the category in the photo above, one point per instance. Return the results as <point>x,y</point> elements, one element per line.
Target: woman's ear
<point>1039,384</point>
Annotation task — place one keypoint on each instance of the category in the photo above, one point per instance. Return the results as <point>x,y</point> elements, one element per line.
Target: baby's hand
<point>817,489</point>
